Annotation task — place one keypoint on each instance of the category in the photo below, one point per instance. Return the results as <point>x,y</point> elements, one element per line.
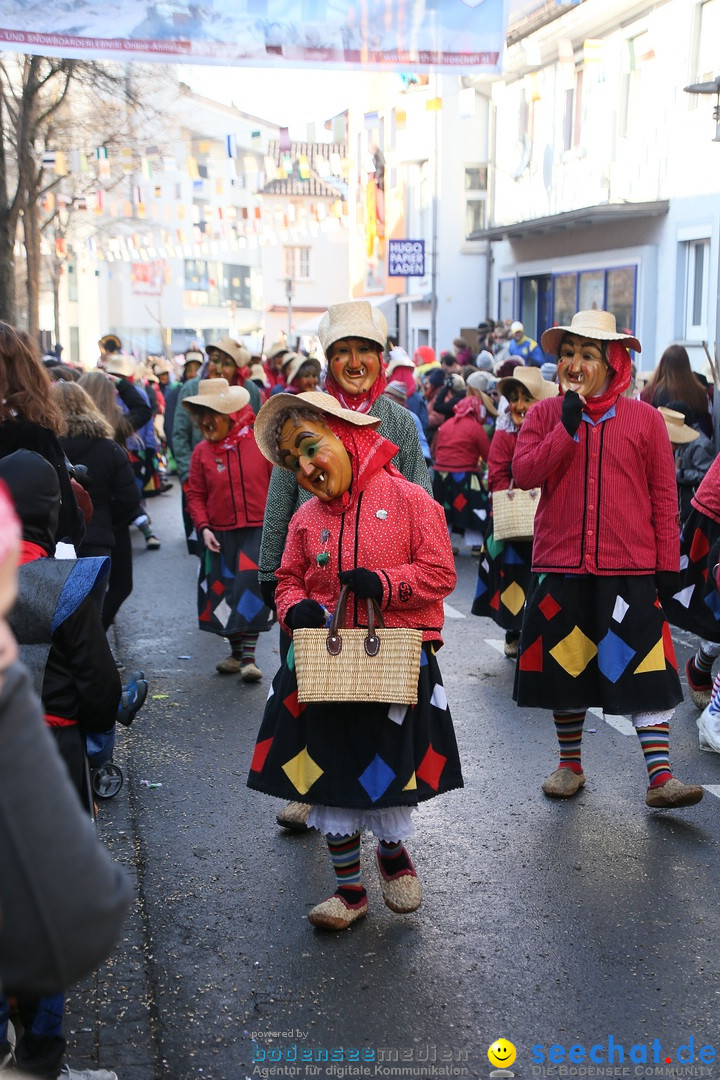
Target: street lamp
<point>709,88</point>
<point>289,294</point>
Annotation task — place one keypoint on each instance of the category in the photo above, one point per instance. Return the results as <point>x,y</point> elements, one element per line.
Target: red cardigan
<point>460,441</point>
<point>227,489</point>
<point>502,450</point>
<point>707,497</point>
<point>609,500</point>
<point>394,528</point>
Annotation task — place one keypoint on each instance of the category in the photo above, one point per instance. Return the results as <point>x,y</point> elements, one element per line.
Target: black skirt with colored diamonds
<point>354,754</point>
<point>696,604</point>
<point>504,577</point>
<point>596,641</point>
<point>229,599</point>
<point>464,498</point>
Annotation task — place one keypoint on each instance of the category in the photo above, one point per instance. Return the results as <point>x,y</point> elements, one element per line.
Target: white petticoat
<point>393,823</point>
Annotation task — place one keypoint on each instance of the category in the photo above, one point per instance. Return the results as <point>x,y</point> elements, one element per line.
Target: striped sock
<point>569,728</point>
<point>393,857</point>
<point>714,705</point>
<point>345,857</point>
<point>703,663</point>
<point>249,642</point>
<point>236,645</point>
<point>655,743</point>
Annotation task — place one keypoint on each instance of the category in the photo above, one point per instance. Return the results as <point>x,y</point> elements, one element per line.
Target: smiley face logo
<point>501,1054</point>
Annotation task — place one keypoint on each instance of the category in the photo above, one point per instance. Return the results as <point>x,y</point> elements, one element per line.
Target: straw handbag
<point>372,663</point>
<point>513,513</point>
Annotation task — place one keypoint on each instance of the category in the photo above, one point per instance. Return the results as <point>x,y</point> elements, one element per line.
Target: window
<point>572,120</point>
<point>564,298</point>
<point>708,61</point>
<point>296,263</point>
<point>475,185</point>
<point>235,285</point>
<point>620,297</point>
<point>637,94</point>
<point>196,275</point>
<point>697,264</point>
<point>72,280</point>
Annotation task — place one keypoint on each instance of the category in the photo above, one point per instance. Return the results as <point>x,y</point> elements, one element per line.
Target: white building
<point>426,140</point>
<point>173,254</point>
<point>605,182</point>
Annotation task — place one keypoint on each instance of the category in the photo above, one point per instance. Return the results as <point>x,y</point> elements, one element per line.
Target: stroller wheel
<point>107,780</point>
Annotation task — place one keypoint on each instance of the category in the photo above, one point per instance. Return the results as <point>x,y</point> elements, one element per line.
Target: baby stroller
<point>105,777</point>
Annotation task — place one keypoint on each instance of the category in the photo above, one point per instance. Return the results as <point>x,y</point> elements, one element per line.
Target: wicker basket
<point>373,663</point>
<point>513,513</point>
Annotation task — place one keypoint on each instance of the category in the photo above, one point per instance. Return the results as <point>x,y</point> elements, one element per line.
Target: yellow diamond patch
<point>302,771</point>
<point>654,661</point>
<point>513,597</point>
<point>411,784</point>
<point>574,652</point>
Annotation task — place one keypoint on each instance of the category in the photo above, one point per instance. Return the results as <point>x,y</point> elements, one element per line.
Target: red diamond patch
<point>549,607</point>
<point>431,767</point>
<point>262,749</point>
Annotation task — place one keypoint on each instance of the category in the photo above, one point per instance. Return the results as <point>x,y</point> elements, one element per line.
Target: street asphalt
<point>546,923</point>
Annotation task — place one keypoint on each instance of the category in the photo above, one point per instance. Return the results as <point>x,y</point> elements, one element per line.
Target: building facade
<point>604,186</point>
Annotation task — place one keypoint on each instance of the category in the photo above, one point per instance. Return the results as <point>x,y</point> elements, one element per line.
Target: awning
<point>586,217</point>
<point>386,304</point>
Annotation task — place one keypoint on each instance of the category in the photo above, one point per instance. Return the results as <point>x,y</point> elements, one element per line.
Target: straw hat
<point>358,318</point>
<point>161,366</point>
<point>257,374</point>
<point>194,356</point>
<point>275,349</point>
<point>218,395</point>
<point>531,378</point>
<point>292,364</point>
<point>478,380</point>
<point>677,429</point>
<point>323,403</point>
<point>596,325</point>
<point>111,340</point>
<point>238,353</point>
<point>120,364</point>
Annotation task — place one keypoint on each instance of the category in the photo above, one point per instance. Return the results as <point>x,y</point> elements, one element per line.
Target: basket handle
<point>334,639</point>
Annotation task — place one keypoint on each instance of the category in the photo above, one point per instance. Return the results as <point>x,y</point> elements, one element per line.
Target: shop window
<point>591,291</point>
<point>620,293</point>
<point>564,298</point>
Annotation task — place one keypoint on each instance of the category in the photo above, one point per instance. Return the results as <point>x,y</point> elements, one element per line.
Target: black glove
<point>572,408</point>
<point>667,583</point>
<point>267,591</point>
<point>366,584</point>
<point>307,613</point>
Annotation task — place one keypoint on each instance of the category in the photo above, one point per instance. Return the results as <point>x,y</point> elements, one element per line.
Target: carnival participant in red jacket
<point>605,556</point>
<point>226,494</point>
<point>360,765</point>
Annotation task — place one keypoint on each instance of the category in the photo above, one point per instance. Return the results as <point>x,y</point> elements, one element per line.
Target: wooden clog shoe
<point>401,891</point>
<point>335,913</point>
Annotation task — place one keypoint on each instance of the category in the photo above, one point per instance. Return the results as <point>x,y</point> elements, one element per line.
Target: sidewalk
<point>109,1015</point>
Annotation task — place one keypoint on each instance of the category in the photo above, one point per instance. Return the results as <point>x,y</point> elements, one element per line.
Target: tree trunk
<point>8,311</point>
<point>31,227</point>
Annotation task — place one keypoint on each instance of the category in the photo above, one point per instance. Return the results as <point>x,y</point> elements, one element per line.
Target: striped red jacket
<point>707,497</point>
<point>609,498</point>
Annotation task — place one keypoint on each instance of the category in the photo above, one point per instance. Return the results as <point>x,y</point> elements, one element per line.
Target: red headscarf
<point>369,453</point>
<point>471,406</point>
<point>241,428</point>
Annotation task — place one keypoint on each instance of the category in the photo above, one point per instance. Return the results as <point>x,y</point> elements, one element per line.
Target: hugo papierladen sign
<point>406,258</point>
